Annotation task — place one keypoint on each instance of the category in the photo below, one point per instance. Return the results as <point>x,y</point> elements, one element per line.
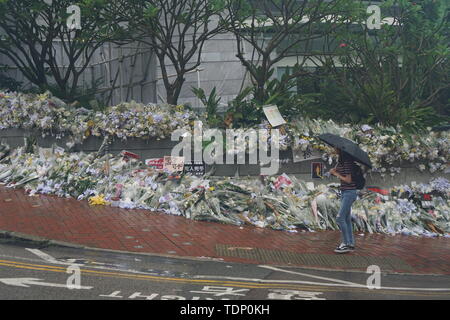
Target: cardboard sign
<point>273,115</point>
<point>317,170</point>
<point>195,168</point>
<point>173,164</point>
<point>155,163</point>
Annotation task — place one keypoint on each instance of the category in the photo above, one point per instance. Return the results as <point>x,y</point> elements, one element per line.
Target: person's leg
<point>351,198</point>
<point>342,217</point>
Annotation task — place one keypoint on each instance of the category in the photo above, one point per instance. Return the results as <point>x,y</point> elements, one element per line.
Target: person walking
<point>343,171</point>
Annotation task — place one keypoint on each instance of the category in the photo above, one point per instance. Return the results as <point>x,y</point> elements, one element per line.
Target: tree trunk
<point>173,90</point>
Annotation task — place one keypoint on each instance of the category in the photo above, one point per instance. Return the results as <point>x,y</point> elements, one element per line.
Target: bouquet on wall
<point>387,147</point>
<point>53,117</point>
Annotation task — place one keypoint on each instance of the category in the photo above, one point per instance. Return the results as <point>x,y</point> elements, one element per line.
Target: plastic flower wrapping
<point>281,203</point>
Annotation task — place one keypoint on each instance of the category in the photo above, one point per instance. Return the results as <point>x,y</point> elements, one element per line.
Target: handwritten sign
<point>128,155</point>
<point>273,115</point>
<point>173,164</point>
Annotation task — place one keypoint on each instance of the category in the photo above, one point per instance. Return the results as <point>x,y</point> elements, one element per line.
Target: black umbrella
<point>441,128</point>
<point>347,146</point>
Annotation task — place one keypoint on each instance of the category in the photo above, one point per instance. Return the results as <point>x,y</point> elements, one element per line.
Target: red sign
<point>427,197</point>
<point>282,181</point>
<point>378,190</point>
<point>155,163</point>
<point>127,155</point>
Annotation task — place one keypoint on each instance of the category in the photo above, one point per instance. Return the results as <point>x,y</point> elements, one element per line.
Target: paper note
<point>273,115</point>
<point>173,164</point>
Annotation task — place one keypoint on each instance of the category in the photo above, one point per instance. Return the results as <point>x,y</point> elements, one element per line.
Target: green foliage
<point>30,29</point>
<point>244,111</point>
<point>211,104</point>
<point>396,75</point>
<point>247,110</point>
<point>399,74</point>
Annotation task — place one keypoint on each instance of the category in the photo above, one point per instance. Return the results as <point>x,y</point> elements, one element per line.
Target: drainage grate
<point>313,259</point>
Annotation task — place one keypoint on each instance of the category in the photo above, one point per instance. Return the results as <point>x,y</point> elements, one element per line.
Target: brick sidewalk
<point>76,222</point>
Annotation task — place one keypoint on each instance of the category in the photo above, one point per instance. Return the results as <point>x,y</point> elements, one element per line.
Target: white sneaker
<point>342,248</point>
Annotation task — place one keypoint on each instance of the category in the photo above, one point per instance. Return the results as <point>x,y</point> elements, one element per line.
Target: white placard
<point>273,115</point>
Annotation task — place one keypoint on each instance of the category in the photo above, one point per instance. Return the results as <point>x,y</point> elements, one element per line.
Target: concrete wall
<point>121,73</point>
<point>220,68</point>
<point>159,148</point>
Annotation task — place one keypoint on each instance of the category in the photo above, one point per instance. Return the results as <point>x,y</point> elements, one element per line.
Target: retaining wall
<point>153,148</point>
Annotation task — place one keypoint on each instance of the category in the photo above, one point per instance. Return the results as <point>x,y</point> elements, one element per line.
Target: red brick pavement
<point>102,227</point>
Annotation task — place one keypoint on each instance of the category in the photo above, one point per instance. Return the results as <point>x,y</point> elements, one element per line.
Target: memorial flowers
<point>387,146</point>
<point>53,117</point>
<point>281,203</point>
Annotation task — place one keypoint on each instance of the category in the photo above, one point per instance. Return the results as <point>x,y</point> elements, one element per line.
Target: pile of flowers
<point>53,117</point>
<point>387,147</point>
<point>282,203</point>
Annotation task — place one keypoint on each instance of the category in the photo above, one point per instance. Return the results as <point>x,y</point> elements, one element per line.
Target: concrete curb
<point>37,240</point>
<point>48,242</point>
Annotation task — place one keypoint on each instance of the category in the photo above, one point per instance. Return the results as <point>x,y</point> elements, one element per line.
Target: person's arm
<point>346,177</point>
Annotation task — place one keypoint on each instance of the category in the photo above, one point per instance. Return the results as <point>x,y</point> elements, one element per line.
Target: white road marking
<point>46,257</point>
<point>313,276</point>
<point>27,282</point>
<point>70,262</point>
<point>357,285</point>
<point>337,282</point>
<point>279,281</point>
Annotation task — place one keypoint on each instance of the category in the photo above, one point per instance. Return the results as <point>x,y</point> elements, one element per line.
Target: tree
<point>32,28</point>
<point>399,74</point>
<point>276,29</point>
<point>176,30</point>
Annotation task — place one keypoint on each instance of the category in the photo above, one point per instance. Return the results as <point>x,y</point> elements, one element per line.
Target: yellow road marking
<point>240,284</point>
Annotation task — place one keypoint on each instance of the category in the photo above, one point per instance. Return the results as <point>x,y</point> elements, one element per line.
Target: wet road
<point>38,272</point>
